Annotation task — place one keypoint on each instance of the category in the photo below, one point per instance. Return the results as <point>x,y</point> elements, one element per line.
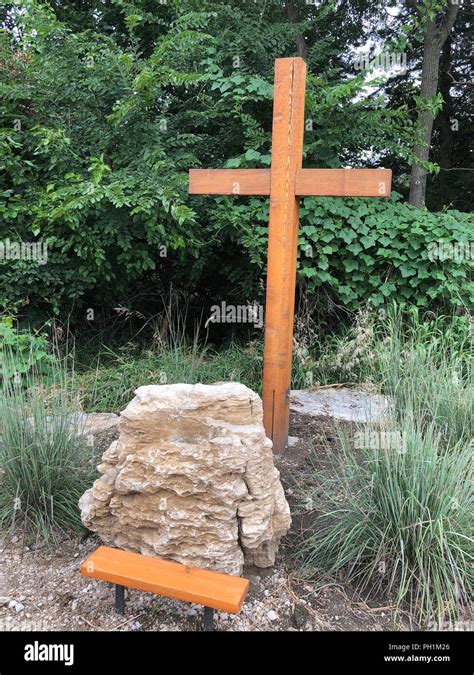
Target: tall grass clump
<point>45,461</point>
<point>398,520</point>
<point>395,511</point>
<point>427,367</point>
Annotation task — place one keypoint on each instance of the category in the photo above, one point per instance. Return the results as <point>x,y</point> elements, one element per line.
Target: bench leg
<point>119,599</point>
<point>208,619</point>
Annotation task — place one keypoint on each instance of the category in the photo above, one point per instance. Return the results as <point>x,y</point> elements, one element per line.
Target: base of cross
<point>285,183</point>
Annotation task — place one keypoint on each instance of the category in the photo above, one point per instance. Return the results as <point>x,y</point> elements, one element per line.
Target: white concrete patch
<point>351,405</point>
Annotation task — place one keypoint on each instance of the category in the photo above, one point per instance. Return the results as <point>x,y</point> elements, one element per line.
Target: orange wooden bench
<point>214,590</point>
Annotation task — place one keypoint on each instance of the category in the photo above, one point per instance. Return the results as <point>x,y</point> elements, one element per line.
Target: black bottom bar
<point>99,651</point>
<point>208,619</point>
<point>119,599</point>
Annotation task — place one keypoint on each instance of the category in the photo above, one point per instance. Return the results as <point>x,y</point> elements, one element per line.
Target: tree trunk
<point>436,33</point>
<point>293,17</point>
<point>429,87</point>
<point>446,114</point>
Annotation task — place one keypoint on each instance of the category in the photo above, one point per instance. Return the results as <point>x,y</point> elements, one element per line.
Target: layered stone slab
<point>191,478</point>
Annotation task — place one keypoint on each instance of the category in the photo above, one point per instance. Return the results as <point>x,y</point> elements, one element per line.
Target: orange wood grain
<point>285,182</point>
<point>164,577</point>
<point>344,182</point>
<point>309,182</point>
<point>287,148</point>
<point>229,182</point>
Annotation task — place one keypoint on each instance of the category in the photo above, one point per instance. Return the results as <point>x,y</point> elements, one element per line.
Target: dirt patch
<point>41,588</point>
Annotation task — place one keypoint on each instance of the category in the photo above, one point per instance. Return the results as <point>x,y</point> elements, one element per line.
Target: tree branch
<point>447,23</point>
<point>413,4</point>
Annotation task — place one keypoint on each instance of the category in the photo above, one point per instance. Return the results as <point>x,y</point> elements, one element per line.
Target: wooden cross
<point>285,182</point>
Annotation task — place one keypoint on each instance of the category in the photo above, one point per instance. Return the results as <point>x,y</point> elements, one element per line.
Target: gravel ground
<point>43,590</point>
<point>41,587</point>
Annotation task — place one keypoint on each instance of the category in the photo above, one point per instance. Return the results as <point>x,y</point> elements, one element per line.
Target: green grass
<point>45,462</point>
<point>110,388</point>
<point>361,352</point>
<point>170,356</point>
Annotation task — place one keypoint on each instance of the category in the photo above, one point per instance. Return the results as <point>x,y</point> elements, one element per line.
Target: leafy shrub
<point>21,350</point>
<point>379,250</point>
<point>370,250</point>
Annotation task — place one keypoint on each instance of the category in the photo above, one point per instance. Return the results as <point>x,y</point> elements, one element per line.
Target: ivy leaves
<point>378,250</point>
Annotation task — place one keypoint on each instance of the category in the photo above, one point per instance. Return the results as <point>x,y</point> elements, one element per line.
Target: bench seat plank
<point>164,577</point>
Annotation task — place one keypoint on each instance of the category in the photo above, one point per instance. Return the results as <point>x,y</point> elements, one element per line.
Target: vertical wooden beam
<point>287,148</point>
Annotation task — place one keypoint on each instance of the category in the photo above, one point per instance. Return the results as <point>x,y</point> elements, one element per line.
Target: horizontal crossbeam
<point>309,182</point>
<point>229,181</point>
<point>343,182</point>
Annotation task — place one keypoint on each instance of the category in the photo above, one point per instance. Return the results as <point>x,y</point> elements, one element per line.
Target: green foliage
<point>379,251</point>
<point>100,129</point>
<point>21,351</point>
<point>93,170</point>
<point>361,250</point>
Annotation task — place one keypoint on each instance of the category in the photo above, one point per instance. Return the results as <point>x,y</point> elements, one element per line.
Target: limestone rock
<point>191,478</point>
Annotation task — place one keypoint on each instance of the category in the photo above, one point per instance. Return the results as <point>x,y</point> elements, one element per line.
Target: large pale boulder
<point>191,478</point>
